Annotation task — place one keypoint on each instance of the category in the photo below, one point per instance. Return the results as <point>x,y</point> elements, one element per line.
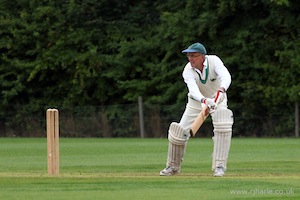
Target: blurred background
<point>113,68</point>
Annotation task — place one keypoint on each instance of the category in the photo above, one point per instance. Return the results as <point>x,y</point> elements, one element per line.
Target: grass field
<point>97,168</point>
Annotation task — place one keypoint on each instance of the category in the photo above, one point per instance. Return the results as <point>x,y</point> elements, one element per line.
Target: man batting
<point>207,80</point>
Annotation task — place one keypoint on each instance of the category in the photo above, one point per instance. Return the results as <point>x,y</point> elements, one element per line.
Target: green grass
<point>97,168</point>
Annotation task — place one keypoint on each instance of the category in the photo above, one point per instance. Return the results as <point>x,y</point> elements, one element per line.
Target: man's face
<point>196,59</point>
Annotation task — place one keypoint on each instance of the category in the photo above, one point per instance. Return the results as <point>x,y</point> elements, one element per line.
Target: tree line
<point>76,53</point>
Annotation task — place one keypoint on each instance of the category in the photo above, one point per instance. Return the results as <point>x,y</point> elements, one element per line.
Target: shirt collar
<point>205,62</point>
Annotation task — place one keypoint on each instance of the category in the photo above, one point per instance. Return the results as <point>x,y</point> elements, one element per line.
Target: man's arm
<point>223,73</point>
<point>190,81</point>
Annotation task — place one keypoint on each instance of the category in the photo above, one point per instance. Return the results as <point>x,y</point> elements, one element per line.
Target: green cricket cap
<point>196,47</point>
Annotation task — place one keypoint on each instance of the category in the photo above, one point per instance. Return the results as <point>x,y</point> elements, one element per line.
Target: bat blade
<point>199,121</point>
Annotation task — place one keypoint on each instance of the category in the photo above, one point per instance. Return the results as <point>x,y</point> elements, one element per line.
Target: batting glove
<point>212,106</point>
<point>219,95</point>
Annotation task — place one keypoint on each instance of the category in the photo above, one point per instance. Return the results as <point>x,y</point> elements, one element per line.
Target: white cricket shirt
<point>204,84</point>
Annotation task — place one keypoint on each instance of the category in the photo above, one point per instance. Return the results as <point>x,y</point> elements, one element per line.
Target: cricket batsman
<point>207,80</point>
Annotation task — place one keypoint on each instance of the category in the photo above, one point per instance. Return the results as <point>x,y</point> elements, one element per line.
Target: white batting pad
<point>221,150</point>
<point>175,155</point>
<point>177,141</point>
<point>177,135</point>
<point>222,122</point>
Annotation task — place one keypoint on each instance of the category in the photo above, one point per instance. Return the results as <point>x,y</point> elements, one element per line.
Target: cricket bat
<point>203,115</point>
<point>199,121</point>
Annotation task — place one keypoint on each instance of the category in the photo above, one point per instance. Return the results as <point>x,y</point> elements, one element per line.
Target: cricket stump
<point>53,141</point>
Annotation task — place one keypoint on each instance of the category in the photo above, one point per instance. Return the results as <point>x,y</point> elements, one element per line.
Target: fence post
<point>296,119</point>
<point>141,117</point>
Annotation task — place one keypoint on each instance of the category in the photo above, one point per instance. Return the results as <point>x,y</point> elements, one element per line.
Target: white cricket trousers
<point>192,110</point>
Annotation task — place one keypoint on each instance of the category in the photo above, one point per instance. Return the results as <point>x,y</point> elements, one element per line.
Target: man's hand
<point>219,95</point>
<point>212,106</point>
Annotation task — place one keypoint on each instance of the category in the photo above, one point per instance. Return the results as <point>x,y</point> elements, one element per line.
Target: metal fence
<point>125,121</point>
